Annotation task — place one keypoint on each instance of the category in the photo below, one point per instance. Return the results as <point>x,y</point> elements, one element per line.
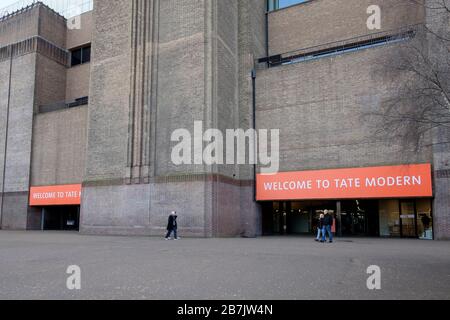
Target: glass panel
<point>284,219</point>
<point>299,218</point>
<point>76,57</point>
<point>389,218</point>
<point>86,54</point>
<point>273,4</point>
<point>280,4</point>
<point>287,3</point>
<point>359,218</point>
<point>277,218</point>
<point>424,219</point>
<point>408,219</point>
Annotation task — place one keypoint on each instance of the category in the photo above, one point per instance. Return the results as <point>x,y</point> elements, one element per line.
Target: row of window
<point>277,60</point>
<point>351,47</point>
<point>63,105</point>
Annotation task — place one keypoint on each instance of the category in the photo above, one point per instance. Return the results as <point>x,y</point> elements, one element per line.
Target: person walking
<point>327,224</point>
<point>319,227</point>
<point>172,226</point>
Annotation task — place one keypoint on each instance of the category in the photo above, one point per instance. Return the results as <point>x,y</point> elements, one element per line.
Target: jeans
<point>169,232</point>
<point>325,230</point>
<point>319,233</point>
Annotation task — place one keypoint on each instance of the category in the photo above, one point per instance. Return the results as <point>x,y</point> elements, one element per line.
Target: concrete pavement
<point>33,266</point>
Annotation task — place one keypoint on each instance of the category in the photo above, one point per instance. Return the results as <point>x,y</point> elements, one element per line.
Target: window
<point>350,48</point>
<point>86,55</point>
<point>357,44</point>
<point>81,55</point>
<point>76,57</point>
<point>406,218</point>
<point>280,4</point>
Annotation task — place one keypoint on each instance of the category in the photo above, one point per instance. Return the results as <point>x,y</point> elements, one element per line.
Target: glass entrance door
<point>359,218</point>
<point>408,226</point>
<point>294,218</point>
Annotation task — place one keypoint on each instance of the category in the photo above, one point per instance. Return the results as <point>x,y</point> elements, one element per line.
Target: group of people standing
<point>324,227</point>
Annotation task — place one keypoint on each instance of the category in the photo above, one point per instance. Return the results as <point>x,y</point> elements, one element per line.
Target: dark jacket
<point>172,224</point>
<point>320,226</point>
<point>328,220</point>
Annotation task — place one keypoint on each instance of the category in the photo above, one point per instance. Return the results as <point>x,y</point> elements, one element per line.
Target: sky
<point>60,6</point>
<point>5,3</point>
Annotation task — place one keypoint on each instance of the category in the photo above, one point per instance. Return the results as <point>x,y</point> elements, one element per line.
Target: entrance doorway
<point>359,218</point>
<point>408,226</point>
<point>402,218</point>
<point>407,218</point>
<point>294,218</point>
<point>64,218</point>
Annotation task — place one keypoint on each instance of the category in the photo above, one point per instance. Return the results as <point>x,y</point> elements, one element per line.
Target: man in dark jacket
<point>172,226</point>
<point>327,224</point>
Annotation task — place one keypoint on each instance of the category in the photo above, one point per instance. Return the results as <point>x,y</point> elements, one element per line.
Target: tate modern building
<point>89,104</point>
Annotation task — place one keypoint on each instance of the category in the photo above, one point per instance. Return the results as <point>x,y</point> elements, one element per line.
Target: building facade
<point>89,106</point>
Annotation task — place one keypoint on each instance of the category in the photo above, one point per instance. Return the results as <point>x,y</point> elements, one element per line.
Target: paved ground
<point>33,266</point>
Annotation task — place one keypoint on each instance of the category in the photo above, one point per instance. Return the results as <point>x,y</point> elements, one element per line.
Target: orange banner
<point>404,181</point>
<point>55,195</point>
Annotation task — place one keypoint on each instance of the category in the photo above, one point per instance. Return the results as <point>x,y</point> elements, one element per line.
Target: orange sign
<point>404,181</point>
<point>55,195</point>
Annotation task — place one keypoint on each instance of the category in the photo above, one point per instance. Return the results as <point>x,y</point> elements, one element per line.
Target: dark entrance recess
<point>64,218</point>
<point>352,218</point>
<point>294,218</point>
<point>360,218</point>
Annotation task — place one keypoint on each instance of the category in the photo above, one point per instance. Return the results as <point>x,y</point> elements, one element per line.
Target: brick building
<point>87,112</point>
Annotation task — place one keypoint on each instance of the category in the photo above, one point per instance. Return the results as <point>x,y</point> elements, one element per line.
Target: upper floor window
<point>81,55</point>
<point>279,4</point>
